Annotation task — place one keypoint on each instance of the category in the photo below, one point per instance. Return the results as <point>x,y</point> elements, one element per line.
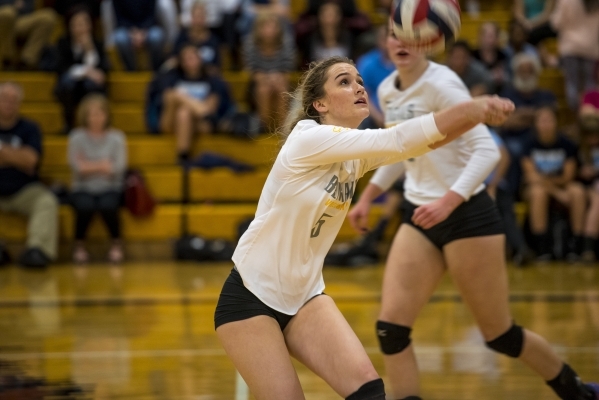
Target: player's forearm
<point>455,121</point>
<point>370,193</point>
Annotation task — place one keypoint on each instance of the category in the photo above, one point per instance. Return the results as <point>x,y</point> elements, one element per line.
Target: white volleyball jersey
<point>460,166</point>
<point>305,199</point>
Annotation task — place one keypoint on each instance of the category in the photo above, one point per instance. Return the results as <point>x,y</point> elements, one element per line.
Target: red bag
<point>138,199</point>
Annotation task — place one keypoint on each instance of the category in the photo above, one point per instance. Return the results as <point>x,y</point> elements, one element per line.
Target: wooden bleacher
<point>219,198</point>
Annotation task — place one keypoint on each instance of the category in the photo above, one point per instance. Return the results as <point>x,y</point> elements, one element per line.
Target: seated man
<point>473,73</point>
<point>524,91</point>
<point>20,190</point>
<point>550,169</point>
<point>137,27</point>
<point>19,20</point>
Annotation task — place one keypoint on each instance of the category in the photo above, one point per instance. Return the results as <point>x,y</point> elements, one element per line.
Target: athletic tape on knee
<point>373,390</point>
<point>393,338</point>
<point>510,343</point>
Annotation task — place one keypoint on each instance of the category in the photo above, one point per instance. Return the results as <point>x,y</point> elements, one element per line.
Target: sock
<point>589,243</point>
<point>568,386</point>
<point>541,242</point>
<point>577,243</point>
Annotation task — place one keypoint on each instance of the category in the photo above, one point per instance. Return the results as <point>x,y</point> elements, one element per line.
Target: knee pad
<point>373,390</point>
<point>510,343</point>
<point>393,338</point>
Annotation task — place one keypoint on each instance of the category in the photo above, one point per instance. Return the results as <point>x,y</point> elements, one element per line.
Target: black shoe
<point>34,258</point>
<point>523,258</point>
<point>544,258</point>
<point>4,257</point>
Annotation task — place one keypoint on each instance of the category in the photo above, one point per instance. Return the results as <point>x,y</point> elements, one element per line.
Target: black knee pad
<point>393,338</point>
<point>510,343</point>
<point>373,390</point>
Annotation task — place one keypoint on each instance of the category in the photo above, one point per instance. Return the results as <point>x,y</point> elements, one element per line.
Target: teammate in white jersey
<point>449,223</point>
<point>271,305</point>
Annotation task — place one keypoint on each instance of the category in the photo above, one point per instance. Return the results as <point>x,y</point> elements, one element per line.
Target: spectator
<point>82,64</point>
<point>549,165</point>
<point>589,174</point>
<point>66,7</point>
<point>251,8</point>
<point>20,189</point>
<point>517,43</point>
<point>19,20</point>
<point>577,24</point>
<point>526,95</point>
<point>137,27</point>
<point>588,115</point>
<point>190,101</point>
<point>221,18</point>
<point>474,74</point>
<point>269,55</point>
<point>354,20</point>
<point>534,15</point>
<point>375,66</point>
<point>199,35</point>
<point>499,188</point>
<point>331,37</point>
<point>489,53</point>
<point>97,156</point>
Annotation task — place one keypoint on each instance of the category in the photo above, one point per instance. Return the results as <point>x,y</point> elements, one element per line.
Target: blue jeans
<point>515,146</point>
<point>155,40</point>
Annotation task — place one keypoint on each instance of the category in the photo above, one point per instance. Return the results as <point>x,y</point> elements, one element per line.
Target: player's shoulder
<point>437,73</point>
<point>388,84</point>
<point>308,130</point>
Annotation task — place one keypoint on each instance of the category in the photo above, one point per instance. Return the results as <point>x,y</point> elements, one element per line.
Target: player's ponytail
<point>310,89</point>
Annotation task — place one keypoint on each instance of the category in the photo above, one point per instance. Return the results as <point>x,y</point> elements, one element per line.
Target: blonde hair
<point>261,19</point>
<point>310,89</point>
<point>88,101</point>
<point>196,4</point>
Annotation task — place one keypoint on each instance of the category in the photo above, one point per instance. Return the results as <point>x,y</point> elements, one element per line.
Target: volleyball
<point>427,24</point>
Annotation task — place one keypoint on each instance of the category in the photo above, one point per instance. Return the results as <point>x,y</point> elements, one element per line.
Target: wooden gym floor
<point>145,331</point>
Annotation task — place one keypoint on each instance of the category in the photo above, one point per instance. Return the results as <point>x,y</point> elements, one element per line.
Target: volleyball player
<point>449,223</point>
<point>272,305</point>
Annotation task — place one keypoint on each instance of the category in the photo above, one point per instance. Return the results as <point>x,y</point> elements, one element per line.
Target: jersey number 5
<point>318,225</point>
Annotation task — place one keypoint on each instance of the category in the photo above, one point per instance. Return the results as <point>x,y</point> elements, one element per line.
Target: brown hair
<point>261,19</point>
<point>87,102</point>
<point>310,89</point>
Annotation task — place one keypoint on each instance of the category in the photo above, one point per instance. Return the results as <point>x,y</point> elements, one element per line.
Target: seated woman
<point>589,174</point>
<point>588,114</point>
<point>489,53</point>
<point>199,35</point>
<point>269,55</point>
<point>331,37</point>
<point>82,64</point>
<point>190,101</point>
<point>97,156</point>
<point>550,168</point>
